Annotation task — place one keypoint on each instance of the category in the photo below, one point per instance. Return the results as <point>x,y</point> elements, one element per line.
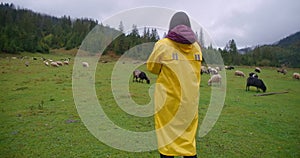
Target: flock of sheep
<point>48,62</point>
<point>216,78</point>
<point>252,79</point>
<point>56,63</point>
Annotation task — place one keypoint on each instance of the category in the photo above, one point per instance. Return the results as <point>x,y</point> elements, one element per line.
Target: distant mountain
<point>292,40</point>
<point>285,52</point>
<point>289,41</point>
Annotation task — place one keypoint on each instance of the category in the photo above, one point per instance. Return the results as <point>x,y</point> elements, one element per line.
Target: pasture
<point>39,118</point>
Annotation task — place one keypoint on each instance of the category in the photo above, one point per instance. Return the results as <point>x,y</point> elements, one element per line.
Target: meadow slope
<point>39,117</point>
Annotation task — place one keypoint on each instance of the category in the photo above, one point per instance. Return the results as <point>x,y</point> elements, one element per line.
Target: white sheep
<point>59,63</point>
<point>212,71</point>
<point>204,70</point>
<point>46,63</point>
<point>296,75</point>
<point>26,63</point>
<point>66,62</point>
<point>85,64</point>
<point>54,64</point>
<point>257,69</point>
<point>239,73</point>
<point>217,78</point>
<point>282,70</point>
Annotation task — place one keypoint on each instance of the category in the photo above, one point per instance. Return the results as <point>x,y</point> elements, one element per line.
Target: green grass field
<point>39,117</point>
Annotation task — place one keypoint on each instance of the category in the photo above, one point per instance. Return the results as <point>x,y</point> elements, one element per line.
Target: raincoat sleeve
<point>154,63</point>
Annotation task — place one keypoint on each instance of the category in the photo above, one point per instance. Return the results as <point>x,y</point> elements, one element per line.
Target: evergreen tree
<point>201,38</point>
<point>121,27</point>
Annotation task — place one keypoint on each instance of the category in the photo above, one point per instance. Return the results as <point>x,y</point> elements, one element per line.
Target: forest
<point>284,53</point>
<point>23,30</point>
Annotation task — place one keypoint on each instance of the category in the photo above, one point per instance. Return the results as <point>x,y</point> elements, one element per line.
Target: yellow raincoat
<point>176,95</point>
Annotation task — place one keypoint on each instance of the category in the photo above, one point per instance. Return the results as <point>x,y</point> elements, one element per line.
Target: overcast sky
<point>248,22</point>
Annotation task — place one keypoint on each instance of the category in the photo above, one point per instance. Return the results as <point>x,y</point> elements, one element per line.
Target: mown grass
<point>39,118</point>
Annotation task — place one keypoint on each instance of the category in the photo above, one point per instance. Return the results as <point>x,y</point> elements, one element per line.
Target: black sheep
<point>140,76</point>
<point>143,76</point>
<point>229,67</point>
<point>255,82</point>
<point>252,74</point>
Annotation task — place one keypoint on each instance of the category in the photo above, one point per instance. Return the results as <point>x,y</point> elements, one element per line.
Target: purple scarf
<point>182,34</point>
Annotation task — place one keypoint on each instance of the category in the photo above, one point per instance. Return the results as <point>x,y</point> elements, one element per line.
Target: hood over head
<point>180,29</point>
<point>179,18</point>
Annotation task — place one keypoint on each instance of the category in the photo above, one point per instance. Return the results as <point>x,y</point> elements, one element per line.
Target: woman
<point>176,60</point>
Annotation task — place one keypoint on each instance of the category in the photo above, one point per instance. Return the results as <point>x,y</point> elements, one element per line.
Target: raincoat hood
<point>179,18</point>
<point>180,31</point>
<point>182,34</point>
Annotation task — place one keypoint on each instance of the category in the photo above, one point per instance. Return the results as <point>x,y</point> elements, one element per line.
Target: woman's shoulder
<point>164,41</point>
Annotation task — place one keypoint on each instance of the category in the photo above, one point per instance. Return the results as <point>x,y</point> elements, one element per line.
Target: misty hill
<point>290,41</point>
<point>285,52</point>
<point>245,50</point>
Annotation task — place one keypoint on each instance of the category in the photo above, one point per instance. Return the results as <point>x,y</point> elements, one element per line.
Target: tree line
<point>24,30</point>
<point>285,53</point>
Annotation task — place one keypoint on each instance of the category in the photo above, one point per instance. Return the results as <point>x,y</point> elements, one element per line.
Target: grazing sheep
<point>136,74</point>
<point>252,74</point>
<point>46,63</point>
<point>59,63</point>
<point>283,71</point>
<point>239,73</point>
<point>212,71</point>
<point>255,82</point>
<point>66,62</point>
<point>203,70</point>
<point>257,69</point>
<point>143,76</point>
<point>85,64</point>
<point>54,64</point>
<point>229,67</point>
<point>26,63</point>
<point>296,75</point>
<point>217,78</point>
<point>140,76</point>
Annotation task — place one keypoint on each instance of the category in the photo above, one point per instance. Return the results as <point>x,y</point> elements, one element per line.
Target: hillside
<point>284,53</point>
<point>23,30</point>
<point>290,41</point>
